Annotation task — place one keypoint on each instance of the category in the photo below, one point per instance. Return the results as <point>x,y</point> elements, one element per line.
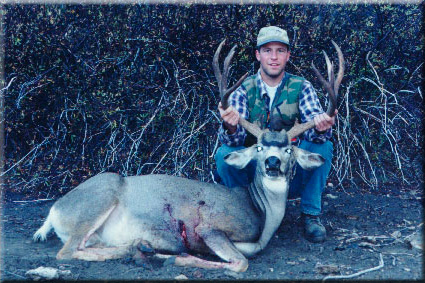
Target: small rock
<point>181,277</point>
<point>331,196</point>
<point>396,234</point>
<point>366,245</point>
<point>416,240</point>
<point>46,273</point>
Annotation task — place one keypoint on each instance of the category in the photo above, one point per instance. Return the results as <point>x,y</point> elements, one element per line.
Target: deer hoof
<point>170,261</point>
<point>239,266</point>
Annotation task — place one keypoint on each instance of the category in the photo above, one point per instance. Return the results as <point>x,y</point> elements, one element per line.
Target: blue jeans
<point>308,185</point>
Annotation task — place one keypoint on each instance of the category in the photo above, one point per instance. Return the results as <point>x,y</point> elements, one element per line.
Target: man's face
<point>273,57</point>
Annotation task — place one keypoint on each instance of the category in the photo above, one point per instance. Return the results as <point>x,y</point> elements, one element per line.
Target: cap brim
<point>273,40</point>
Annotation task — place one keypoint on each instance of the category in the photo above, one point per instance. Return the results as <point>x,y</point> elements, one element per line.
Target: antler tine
<point>225,93</point>
<point>330,90</point>
<point>216,67</point>
<point>331,86</point>
<point>226,66</point>
<point>340,74</point>
<point>329,66</point>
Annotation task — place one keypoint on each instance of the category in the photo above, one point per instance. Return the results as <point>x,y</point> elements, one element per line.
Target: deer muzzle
<point>272,165</point>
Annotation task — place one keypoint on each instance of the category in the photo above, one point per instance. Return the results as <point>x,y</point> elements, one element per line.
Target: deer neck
<point>269,197</point>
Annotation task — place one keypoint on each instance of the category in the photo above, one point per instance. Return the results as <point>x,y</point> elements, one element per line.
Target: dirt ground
<point>360,226</point>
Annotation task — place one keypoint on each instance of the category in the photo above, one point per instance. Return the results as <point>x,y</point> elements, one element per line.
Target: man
<point>274,92</point>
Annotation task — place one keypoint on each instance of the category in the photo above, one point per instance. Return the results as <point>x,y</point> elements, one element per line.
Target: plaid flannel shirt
<point>309,107</point>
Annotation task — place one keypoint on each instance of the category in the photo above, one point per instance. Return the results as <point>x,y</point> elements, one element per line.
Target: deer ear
<point>308,160</point>
<point>240,158</point>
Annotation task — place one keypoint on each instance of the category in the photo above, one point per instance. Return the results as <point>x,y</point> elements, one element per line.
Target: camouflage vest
<point>285,104</point>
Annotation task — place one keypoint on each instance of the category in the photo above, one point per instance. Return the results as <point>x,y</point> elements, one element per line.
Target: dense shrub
<point>130,88</point>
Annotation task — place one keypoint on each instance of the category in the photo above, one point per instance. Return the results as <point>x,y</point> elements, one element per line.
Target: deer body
<point>155,208</point>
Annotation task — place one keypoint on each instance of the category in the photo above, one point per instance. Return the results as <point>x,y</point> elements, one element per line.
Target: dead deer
<point>109,216</point>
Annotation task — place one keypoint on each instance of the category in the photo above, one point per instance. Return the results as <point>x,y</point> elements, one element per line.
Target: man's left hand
<point>323,122</point>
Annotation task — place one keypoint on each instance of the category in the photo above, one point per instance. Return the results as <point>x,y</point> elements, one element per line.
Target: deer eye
<point>259,148</point>
<point>288,150</point>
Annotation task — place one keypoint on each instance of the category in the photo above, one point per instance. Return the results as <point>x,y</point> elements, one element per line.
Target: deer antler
<point>330,86</point>
<point>225,93</point>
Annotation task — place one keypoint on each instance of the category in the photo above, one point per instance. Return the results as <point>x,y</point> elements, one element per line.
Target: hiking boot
<point>314,231</point>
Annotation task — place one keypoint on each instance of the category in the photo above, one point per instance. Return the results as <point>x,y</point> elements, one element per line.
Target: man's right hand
<point>230,117</point>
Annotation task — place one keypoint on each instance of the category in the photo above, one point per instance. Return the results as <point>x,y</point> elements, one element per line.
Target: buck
<point>109,216</point>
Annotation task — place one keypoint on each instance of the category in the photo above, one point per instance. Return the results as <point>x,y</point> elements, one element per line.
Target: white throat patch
<point>278,185</point>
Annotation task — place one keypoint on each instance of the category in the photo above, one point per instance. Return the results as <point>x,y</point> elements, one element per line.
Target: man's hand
<point>323,122</point>
<point>230,117</point>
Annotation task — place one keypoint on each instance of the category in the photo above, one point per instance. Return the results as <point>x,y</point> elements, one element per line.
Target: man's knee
<point>222,152</point>
<point>324,149</point>
<point>230,176</point>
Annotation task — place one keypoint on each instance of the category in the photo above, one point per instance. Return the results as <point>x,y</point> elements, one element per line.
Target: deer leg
<point>136,247</point>
<point>77,241</point>
<point>192,261</point>
<point>69,247</point>
<point>220,244</point>
<point>102,254</point>
<point>223,247</point>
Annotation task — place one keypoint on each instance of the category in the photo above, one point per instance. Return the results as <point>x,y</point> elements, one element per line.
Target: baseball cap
<point>272,34</point>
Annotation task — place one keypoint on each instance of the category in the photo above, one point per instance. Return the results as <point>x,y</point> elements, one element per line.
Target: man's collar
<point>261,83</point>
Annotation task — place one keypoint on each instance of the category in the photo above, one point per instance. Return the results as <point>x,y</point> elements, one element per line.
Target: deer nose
<point>273,162</point>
